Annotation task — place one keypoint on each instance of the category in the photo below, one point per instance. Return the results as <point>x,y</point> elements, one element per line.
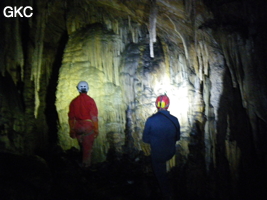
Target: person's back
<point>83,107</point>
<point>83,121</point>
<point>161,133</point>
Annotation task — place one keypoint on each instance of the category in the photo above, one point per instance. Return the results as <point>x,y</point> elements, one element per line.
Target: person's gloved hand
<point>96,132</point>
<point>146,148</point>
<point>171,163</point>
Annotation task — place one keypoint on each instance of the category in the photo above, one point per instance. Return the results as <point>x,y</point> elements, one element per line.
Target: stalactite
<point>13,55</point>
<point>36,70</point>
<point>182,38</point>
<point>212,91</point>
<point>203,59</point>
<point>206,60</point>
<point>152,26</point>
<point>200,60</point>
<point>115,26</point>
<point>228,51</point>
<point>89,14</point>
<point>19,56</point>
<point>131,29</point>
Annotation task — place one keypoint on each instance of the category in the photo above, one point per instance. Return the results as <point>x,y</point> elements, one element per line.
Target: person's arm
<point>94,115</point>
<point>95,122</point>
<point>71,125</point>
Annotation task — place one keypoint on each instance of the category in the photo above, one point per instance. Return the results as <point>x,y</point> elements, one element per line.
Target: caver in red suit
<point>83,121</point>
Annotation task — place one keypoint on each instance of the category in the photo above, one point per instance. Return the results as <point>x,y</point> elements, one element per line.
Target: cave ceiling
<point>173,21</point>
<point>177,21</point>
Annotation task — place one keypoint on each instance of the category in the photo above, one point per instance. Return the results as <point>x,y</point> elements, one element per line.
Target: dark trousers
<point>162,177</point>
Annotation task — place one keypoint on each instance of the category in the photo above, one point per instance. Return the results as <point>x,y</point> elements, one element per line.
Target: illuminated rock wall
<point>125,81</point>
<point>94,56</point>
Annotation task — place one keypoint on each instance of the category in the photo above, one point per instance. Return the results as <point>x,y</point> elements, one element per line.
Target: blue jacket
<point>162,135</point>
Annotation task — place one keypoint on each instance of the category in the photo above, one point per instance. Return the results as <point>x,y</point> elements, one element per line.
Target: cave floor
<point>115,179</point>
<point>58,176</point>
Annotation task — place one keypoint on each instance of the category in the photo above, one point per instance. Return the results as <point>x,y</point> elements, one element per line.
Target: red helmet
<point>162,101</point>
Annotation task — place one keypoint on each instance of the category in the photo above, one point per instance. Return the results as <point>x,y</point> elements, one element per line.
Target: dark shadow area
<point>249,181</point>
<point>24,177</point>
<point>195,168</point>
<point>50,109</point>
<point>189,177</point>
<point>11,112</point>
<point>59,176</point>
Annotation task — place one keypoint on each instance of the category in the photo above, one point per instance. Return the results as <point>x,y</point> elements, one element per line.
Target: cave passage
<point>208,56</point>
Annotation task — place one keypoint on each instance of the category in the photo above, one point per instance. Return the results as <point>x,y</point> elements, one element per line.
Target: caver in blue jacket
<point>162,130</point>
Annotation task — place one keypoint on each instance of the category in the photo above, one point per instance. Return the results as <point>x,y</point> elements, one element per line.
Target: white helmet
<point>83,87</point>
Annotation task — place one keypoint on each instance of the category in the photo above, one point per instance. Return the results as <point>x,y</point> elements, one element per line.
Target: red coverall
<point>83,122</point>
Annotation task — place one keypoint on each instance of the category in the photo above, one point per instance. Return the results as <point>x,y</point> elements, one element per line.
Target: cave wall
<point>140,79</point>
<point>93,55</point>
<point>208,56</point>
<point>124,81</point>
